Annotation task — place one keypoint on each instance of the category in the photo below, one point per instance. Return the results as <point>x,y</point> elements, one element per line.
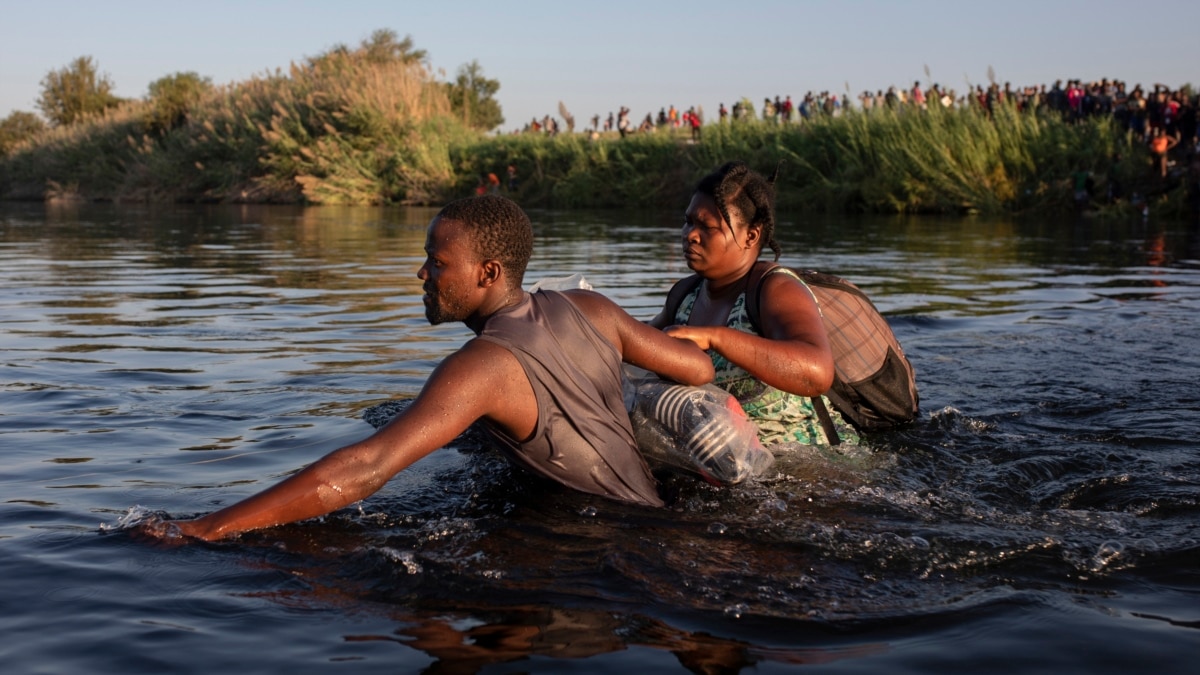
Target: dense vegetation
<point>365,125</point>
<point>371,125</point>
<point>938,160</point>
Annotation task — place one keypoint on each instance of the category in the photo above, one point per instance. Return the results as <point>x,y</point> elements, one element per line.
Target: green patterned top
<point>781,417</point>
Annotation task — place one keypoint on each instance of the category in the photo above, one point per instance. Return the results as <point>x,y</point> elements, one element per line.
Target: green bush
<point>75,92</point>
<point>891,161</point>
<point>171,98</point>
<point>19,126</point>
<point>472,98</point>
<point>368,125</point>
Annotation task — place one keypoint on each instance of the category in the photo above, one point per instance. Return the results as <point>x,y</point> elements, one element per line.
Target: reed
<point>89,155</point>
<point>345,128</point>
<point>341,128</point>
<point>886,161</point>
<point>573,171</point>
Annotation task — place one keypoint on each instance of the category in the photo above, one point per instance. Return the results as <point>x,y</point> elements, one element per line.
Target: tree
<point>17,127</point>
<point>383,46</point>
<point>471,97</point>
<point>75,92</point>
<point>171,98</point>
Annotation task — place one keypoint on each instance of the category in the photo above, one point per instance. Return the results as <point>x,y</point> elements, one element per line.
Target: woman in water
<point>780,371</point>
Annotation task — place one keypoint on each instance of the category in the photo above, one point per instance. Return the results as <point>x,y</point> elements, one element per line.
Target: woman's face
<point>710,244</point>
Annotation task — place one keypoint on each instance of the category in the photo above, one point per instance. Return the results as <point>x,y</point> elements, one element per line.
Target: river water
<point>1043,515</point>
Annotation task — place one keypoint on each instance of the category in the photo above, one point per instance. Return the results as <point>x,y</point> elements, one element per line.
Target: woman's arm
<point>793,352</point>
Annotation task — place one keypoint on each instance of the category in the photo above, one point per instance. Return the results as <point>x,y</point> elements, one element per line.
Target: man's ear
<point>490,272</point>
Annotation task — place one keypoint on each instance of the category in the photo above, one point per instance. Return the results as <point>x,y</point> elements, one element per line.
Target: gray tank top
<point>583,437</point>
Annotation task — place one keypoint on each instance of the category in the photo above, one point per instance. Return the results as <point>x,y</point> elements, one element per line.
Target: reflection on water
<point>472,641</point>
<point>181,358</point>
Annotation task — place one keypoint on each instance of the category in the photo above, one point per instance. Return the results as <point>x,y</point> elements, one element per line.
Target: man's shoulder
<point>479,366</point>
<point>587,301</point>
<point>599,311</point>
<point>482,347</point>
<point>555,306</point>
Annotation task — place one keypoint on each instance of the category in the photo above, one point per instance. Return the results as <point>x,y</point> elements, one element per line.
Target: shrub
<point>171,98</point>
<point>472,98</point>
<point>19,126</point>
<point>74,92</point>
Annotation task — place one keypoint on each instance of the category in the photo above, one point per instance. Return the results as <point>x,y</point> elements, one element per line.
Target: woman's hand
<point>701,336</point>
<point>792,354</point>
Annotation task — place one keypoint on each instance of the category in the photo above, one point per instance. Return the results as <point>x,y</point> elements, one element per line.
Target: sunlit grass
<point>340,129</point>
<point>345,129</point>
<point>886,161</point>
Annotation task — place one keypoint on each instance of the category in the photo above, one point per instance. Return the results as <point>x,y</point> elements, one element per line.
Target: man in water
<point>543,374</point>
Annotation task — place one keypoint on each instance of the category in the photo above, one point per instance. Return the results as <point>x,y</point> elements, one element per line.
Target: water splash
<point>1108,553</point>
<point>136,515</point>
<point>407,559</point>
<point>144,521</point>
<point>736,611</point>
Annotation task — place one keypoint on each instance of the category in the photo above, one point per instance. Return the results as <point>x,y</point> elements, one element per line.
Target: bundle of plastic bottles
<point>699,430</point>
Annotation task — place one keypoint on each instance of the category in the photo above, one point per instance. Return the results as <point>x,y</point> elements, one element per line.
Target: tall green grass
<point>573,171</point>
<point>342,128</point>
<point>885,161</point>
<point>347,129</point>
<point>948,160</point>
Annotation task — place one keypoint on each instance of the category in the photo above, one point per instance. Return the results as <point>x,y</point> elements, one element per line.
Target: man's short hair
<point>500,229</point>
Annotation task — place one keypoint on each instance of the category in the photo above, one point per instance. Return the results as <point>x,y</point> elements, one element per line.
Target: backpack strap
<point>753,296</point>
<point>826,421</point>
<point>678,292</point>
<point>760,271</point>
<point>754,289</point>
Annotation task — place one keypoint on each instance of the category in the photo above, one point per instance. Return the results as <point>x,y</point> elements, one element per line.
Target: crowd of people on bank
<point>691,119</point>
<point>1138,109</point>
<point>1163,118</point>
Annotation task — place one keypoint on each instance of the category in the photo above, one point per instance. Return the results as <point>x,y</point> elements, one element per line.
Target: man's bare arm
<point>644,346</point>
<point>459,391</point>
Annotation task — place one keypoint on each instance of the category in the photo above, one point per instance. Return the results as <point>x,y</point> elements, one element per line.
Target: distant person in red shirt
<point>1160,145</point>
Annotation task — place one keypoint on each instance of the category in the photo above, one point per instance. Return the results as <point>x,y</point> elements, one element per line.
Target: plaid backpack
<point>873,385</point>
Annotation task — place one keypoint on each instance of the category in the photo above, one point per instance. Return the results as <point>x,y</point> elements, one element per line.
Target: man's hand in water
<point>170,532</point>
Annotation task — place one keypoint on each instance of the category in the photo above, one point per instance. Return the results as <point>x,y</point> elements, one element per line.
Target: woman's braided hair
<point>735,186</point>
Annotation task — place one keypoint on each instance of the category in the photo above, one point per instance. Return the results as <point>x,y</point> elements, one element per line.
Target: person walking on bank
<point>1160,145</point>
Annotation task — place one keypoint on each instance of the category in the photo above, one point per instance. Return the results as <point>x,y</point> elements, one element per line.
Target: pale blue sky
<point>597,56</point>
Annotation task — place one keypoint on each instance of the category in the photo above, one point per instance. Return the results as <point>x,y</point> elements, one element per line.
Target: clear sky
<point>597,56</point>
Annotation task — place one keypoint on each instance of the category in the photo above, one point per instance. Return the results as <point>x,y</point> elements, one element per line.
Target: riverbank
<point>346,131</point>
<point>885,161</point>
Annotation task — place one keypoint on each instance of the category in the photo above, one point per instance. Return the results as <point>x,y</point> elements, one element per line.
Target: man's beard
<point>443,308</point>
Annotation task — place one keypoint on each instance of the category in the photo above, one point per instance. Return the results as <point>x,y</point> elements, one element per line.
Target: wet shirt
<point>583,437</point>
<point>781,417</point>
